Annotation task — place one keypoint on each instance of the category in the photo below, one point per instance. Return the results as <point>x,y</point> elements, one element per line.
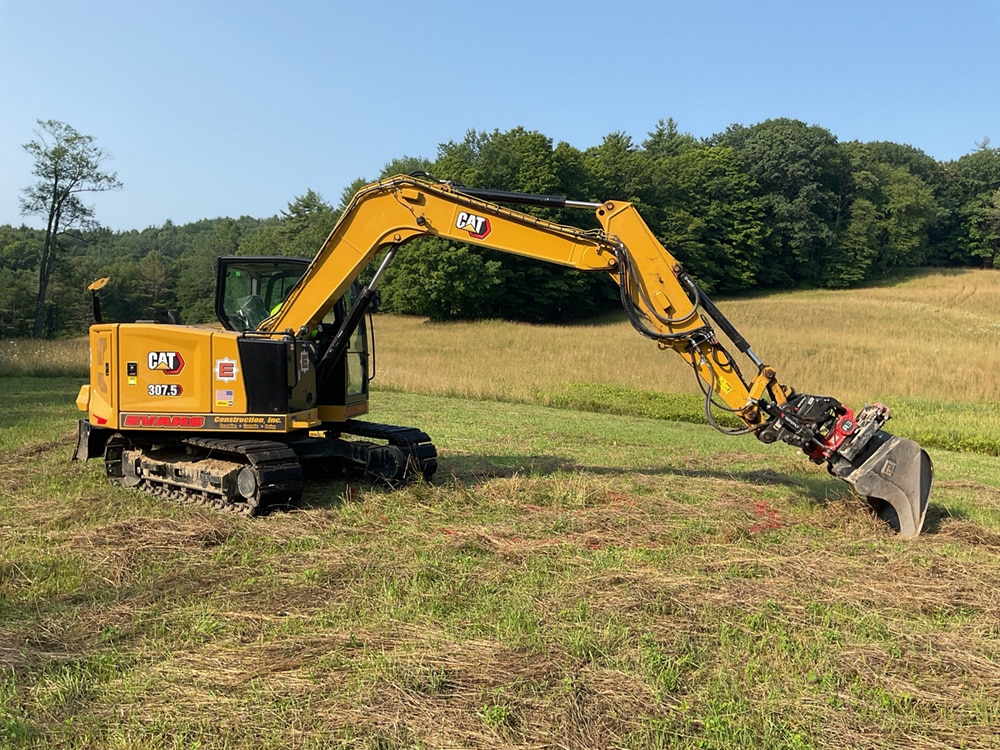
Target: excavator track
<point>246,477</point>
<point>408,452</point>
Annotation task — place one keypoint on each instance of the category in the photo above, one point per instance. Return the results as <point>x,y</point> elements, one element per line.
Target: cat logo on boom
<point>477,226</point>
<point>169,363</point>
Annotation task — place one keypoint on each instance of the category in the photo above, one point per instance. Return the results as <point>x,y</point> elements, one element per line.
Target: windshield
<point>253,289</point>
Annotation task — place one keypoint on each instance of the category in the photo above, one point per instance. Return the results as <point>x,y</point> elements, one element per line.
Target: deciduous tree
<point>984,231</point>
<point>802,174</point>
<point>710,219</point>
<point>67,163</point>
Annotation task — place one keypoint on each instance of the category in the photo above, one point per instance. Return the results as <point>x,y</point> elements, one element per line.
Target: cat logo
<point>477,226</point>
<point>169,363</point>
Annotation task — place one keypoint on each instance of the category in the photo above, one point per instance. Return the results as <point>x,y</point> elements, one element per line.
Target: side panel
<point>165,369</point>
<point>167,377</point>
<point>266,374</point>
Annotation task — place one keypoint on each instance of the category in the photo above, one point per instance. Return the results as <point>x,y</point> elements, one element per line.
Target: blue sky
<point>213,108</point>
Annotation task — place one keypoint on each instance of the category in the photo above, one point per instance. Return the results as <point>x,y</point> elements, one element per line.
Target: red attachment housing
<point>843,429</point>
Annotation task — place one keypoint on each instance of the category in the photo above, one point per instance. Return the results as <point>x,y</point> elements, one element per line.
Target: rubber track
<point>279,476</point>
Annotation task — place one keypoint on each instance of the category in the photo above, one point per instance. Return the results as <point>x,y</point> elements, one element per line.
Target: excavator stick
<point>894,473</point>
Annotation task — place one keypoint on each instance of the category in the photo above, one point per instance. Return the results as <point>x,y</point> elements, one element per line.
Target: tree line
<point>779,204</point>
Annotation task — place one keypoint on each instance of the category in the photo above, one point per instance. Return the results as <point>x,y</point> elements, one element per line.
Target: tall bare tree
<point>67,163</point>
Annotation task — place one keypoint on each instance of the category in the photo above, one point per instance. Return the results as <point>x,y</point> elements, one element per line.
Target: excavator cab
<point>250,289</point>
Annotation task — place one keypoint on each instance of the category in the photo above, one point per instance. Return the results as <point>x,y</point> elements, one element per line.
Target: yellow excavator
<point>228,416</point>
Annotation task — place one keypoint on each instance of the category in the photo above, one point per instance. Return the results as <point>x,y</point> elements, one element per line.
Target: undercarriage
<point>251,476</point>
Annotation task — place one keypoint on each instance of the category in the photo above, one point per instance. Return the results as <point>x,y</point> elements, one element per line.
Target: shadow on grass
<point>329,488</point>
<point>820,489</point>
<point>481,468</point>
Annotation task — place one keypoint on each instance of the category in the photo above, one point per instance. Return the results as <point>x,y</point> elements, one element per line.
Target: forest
<point>780,204</point>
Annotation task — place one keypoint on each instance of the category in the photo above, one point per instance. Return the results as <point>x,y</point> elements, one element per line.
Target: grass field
<point>572,579</point>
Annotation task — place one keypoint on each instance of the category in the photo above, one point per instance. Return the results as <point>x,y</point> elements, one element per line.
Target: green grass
<point>950,425</point>
<point>571,579</point>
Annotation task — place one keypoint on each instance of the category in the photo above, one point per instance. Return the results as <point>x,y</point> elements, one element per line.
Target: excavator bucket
<point>896,475</point>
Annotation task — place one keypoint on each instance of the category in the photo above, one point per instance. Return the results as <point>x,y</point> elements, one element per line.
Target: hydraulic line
<point>628,283</point>
<point>693,337</point>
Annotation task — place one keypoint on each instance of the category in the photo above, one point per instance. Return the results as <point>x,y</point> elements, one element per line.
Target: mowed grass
<point>572,579</point>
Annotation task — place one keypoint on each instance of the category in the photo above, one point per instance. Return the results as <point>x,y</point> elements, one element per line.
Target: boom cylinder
<point>338,345</point>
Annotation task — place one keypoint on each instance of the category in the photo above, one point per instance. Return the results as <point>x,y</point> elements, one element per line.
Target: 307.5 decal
<point>163,389</point>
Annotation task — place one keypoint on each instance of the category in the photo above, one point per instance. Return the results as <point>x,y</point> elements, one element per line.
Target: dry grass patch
<point>863,345</point>
<point>44,358</point>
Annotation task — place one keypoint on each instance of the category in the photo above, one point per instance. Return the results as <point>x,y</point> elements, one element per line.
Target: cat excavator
<point>227,416</point>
